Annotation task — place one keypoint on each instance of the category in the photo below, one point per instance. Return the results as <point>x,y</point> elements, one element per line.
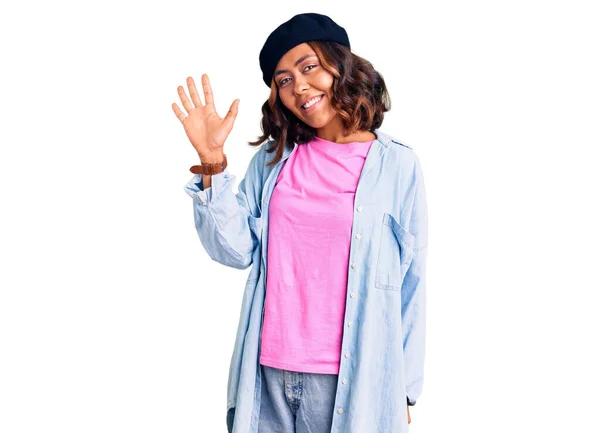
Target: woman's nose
<point>300,86</point>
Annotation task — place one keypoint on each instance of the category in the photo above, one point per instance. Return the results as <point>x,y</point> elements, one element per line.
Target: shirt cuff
<point>195,188</point>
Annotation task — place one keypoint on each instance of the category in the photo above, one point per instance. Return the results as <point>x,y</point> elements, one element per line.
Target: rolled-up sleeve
<point>221,217</point>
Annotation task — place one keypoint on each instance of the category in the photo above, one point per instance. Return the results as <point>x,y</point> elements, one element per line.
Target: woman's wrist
<point>214,158</point>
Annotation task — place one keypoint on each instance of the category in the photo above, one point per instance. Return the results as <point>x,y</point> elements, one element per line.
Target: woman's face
<point>300,77</point>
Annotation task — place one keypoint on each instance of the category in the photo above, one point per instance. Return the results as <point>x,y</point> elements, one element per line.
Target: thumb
<point>232,114</point>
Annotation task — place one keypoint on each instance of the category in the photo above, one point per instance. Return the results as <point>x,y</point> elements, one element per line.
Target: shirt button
<point>353,265</point>
<point>357,235</point>
<point>340,410</point>
<point>345,381</point>
<point>349,323</point>
<point>359,208</point>
<point>267,200</point>
<point>347,354</point>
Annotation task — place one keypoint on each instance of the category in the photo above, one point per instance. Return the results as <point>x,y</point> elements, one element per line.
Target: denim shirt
<point>383,343</point>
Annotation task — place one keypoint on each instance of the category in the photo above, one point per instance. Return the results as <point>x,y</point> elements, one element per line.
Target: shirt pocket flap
<point>396,251</point>
<point>402,235</point>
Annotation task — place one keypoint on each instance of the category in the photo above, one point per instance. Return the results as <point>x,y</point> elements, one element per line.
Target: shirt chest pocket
<point>395,254</point>
<point>255,224</point>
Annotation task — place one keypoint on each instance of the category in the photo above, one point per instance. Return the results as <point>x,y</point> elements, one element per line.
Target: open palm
<point>206,130</point>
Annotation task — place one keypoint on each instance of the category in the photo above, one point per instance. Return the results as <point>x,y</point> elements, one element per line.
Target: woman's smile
<point>314,106</point>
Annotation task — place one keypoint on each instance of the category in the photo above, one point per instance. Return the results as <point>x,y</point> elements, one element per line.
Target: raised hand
<point>205,129</point>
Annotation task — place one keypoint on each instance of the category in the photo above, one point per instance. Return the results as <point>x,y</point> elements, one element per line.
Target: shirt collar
<point>381,139</point>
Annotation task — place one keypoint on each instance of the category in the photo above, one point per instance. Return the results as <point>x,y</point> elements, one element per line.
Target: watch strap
<point>210,169</point>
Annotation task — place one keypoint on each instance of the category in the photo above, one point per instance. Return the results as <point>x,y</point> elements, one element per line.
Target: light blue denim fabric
<point>296,402</point>
<point>383,344</point>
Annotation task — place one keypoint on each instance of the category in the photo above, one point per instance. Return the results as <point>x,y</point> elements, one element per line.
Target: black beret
<point>298,29</point>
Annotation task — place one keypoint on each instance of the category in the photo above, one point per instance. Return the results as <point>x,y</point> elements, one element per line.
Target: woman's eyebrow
<point>300,60</point>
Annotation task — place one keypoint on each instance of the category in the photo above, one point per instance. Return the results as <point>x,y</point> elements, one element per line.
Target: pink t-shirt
<point>310,223</point>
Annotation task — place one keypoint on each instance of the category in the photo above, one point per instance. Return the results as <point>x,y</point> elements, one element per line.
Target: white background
<point>114,319</point>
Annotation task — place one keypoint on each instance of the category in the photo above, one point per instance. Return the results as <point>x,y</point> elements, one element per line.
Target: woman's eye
<point>282,82</point>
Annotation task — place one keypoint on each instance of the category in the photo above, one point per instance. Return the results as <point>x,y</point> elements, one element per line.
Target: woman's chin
<point>316,123</point>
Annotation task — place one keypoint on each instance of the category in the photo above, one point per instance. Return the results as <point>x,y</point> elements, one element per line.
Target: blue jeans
<point>296,402</point>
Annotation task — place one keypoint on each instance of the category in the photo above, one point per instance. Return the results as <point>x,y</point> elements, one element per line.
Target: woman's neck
<point>334,130</point>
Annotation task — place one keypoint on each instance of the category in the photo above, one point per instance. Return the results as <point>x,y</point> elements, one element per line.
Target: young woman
<point>332,329</point>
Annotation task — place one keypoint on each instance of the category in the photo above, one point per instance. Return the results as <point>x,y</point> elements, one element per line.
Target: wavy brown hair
<point>360,97</point>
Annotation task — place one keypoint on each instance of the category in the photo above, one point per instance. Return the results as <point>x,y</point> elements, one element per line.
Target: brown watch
<point>215,168</point>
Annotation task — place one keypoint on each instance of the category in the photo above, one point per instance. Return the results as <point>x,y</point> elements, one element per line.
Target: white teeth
<point>312,102</point>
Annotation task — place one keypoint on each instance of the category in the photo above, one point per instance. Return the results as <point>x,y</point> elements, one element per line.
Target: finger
<point>194,92</point>
<point>208,96</point>
<point>178,112</point>
<point>232,114</point>
<point>184,99</point>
